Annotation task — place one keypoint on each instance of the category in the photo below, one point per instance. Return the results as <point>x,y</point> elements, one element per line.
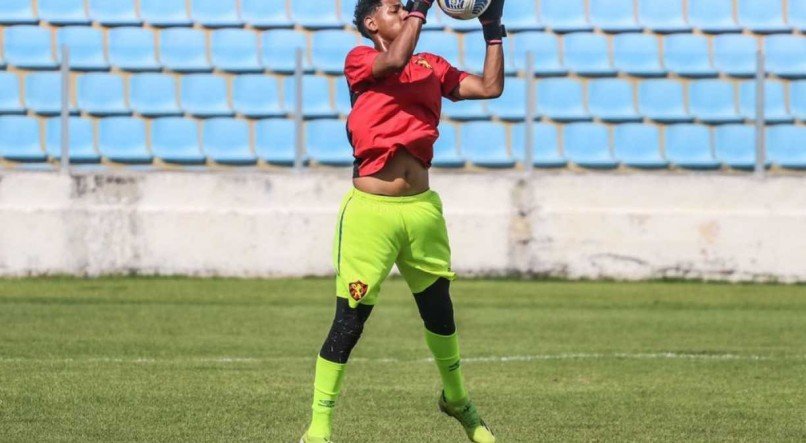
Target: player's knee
<point>436,308</point>
<point>347,327</point>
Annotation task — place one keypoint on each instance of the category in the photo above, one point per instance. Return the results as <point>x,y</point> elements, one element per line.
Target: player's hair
<point>363,8</point>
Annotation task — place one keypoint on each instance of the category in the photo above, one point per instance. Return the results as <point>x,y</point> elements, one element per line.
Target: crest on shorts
<point>358,290</point>
<point>424,63</point>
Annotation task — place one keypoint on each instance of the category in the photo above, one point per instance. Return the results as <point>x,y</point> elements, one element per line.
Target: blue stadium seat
<point>132,49</point>
<point>638,146</point>
<point>786,55</point>
<point>797,99</point>
<point>561,99</point>
<point>512,103</point>
<point>226,141</point>
<point>315,97</point>
<point>712,16</point>
<point>614,15</point>
<point>257,96</point>
<point>663,101</point>
<point>565,15</point>
<point>19,139</point>
<point>468,109</point>
<point>687,55</point>
<point>586,54</point>
<point>320,14</point>
<point>235,50</point>
<point>215,13</point>
<point>445,45</point>
<point>164,13</point>
<point>689,146</point>
<point>611,100</point>
<point>785,146</point>
<point>86,48</point>
<point>28,47</point>
<point>545,145</point>
<point>114,12</point>
<point>735,55</point>
<point>446,154</point>
<point>263,14</point>
<point>43,93</point>
<point>205,95</point>
<point>275,141</point>
<point>327,144</point>
<point>176,140</point>
<point>521,15</point>
<point>154,95</point>
<point>485,144</point>
<point>101,95</point>
<point>10,102</point>
<point>796,15</point>
<point>329,49</point>
<point>763,17</point>
<point>17,12</point>
<point>343,105</point>
<point>279,49</point>
<point>474,54</point>
<point>638,55</point>
<point>712,101</point>
<point>735,145</point>
<point>546,50</point>
<point>588,145</point>
<point>184,50</point>
<point>774,102</point>
<point>663,16</point>
<point>123,140</point>
<point>63,12</point>
<point>81,140</point>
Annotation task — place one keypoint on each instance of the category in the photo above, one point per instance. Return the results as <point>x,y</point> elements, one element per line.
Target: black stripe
<point>341,223</point>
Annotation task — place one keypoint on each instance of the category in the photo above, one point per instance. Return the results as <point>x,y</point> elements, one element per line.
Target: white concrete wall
<point>566,224</point>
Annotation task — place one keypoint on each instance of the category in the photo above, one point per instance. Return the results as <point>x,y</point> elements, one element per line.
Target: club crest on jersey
<point>424,63</point>
<point>358,290</point>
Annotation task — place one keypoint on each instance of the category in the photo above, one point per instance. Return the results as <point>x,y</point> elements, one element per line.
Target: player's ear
<point>370,24</point>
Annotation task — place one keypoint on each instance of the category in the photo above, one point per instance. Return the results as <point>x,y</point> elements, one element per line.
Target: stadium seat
<point>114,12</point>
<point>329,49</point>
<point>588,145</point>
<point>545,145</point>
<point>638,146</point>
<point>81,140</point>
<point>28,47</point>
<point>561,99</point>
<point>786,55</point>
<point>712,101</point>
<point>763,17</point>
<point>205,95</point>
<point>442,44</point>
<point>63,12</point>
<point>797,99</point>
<point>688,146</point>
<point>565,15</point>
<point>785,146</point>
<point>226,141</point>
<point>320,14</point>
<point>712,16</point>
<point>796,15</point>
<point>611,100</point>
<point>687,55</point>
<point>614,15</point>
<point>279,50</point>
<point>164,13</point>
<point>154,95</point>
<point>663,16</point>
<point>132,49</point>
<point>43,93</point>
<point>343,105</point>
<point>327,144</point>
<point>586,54</point>
<point>19,139</point>
<point>86,48</point>
<point>123,140</point>
<point>445,149</point>
<point>275,141</point>
<point>184,50</point>
<point>215,13</point>
<point>735,146</point>
<point>176,140</point>
<point>101,95</point>
<point>521,15</point>
<point>256,96</point>
<point>474,54</point>
<point>735,55</point>
<point>235,50</point>
<point>774,102</point>
<point>263,14</point>
<point>512,103</point>
<point>638,55</point>
<point>10,102</point>
<point>663,101</point>
<point>17,12</point>
<point>546,50</point>
<point>468,109</point>
<point>315,97</point>
<point>485,144</point>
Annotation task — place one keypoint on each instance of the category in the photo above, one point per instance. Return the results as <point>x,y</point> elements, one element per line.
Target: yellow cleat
<point>309,439</point>
<point>475,428</point>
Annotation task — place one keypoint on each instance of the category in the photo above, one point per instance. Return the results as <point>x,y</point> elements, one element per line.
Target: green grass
<point>145,359</point>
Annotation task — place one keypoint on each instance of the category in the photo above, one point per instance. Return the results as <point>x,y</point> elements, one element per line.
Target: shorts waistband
<point>423,196</point>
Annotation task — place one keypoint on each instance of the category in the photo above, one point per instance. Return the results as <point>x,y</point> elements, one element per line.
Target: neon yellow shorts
<point>375,231</point>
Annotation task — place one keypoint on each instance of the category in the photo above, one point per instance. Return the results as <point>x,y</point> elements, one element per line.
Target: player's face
<point>389,19</point>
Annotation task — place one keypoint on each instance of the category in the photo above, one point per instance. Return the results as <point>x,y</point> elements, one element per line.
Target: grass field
<point>140,359</point>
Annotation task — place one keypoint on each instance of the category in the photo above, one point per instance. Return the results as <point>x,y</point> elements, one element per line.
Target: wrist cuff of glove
<point>494,33</point>
<point>418,8</point>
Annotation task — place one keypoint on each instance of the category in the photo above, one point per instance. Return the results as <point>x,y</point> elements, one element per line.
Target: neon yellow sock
<point>445,349</point>
<point>326,387</point>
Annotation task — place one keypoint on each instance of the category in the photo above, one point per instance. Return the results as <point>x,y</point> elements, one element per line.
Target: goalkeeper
<point>391,216</point>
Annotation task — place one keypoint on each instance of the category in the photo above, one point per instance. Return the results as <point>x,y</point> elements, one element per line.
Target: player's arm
<point>399,52</point>
<point>491,82</point>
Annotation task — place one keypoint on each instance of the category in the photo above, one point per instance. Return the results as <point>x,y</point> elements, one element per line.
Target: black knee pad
<point>348,324</point>
<point>436,308</point>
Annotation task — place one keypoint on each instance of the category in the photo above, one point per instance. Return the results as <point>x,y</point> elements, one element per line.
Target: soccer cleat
<point>308,439</point>
<point>477,431</point>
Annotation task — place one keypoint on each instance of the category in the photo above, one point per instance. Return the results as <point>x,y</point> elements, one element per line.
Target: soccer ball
<point>464,9</point>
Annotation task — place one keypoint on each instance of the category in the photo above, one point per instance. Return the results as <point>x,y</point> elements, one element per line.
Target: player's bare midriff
<point>402,175</point>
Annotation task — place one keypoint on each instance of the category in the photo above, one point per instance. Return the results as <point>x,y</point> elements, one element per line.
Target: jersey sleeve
<point>449,76</point>
<point>358,68</point>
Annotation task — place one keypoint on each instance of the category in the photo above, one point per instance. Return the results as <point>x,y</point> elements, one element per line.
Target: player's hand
<point>493,13</point>
<point>418,8</point>
<point>490,20</point>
